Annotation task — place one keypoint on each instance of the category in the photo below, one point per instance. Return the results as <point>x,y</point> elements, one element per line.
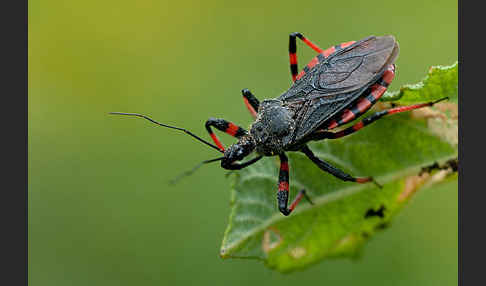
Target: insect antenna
<point>168,126</point>
<point>191,171</point>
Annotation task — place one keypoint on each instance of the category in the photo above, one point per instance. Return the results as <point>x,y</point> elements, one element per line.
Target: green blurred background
<point>100,209</point>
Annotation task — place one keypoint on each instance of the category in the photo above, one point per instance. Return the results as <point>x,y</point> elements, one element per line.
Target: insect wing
<point>335,82</point>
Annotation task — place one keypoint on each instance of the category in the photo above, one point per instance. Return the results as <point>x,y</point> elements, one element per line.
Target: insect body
<point>337,86</point>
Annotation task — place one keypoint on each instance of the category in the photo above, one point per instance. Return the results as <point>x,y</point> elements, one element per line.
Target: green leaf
<point>441,81</point>
<point>403,152</point>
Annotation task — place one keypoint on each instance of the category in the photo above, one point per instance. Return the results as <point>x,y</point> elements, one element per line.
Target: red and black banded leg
<point>364,103</point>
<point>293,52</point>
<point>251,102</point>
<point>283,188</point>
<point>335,171</point>
<point>321,57</point>
<point>224,126</point>
<point>294,70</point>
<point>319,135</point>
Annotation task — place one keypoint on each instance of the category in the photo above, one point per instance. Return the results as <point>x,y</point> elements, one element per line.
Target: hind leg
<point>321,134</point>
<point>293,52</point>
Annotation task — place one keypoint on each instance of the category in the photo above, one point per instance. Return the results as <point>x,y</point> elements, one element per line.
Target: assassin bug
<point>337,86</point>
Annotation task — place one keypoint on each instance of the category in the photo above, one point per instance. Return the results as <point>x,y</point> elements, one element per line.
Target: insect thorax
<point>273,124</point>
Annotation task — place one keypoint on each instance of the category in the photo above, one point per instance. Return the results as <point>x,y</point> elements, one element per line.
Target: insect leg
<point>283,188</point>
<point>239,166</point>
<point>365,102</point>
<point>251,102</point>
<point>307,42</point>
<point>293,50</point>
<point>294,70</point>
<point>224,126</point>
<point>335,171</point>
<point>319,135</point>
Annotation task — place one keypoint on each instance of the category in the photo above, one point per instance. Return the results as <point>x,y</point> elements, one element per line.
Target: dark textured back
<point>337,81</point>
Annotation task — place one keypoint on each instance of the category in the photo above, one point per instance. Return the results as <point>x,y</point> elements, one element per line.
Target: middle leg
<point>283,188</point>
<point>323,165</point>
<point>251,102</point>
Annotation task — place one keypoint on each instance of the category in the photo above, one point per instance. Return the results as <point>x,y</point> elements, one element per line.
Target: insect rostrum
<point>337,86</point>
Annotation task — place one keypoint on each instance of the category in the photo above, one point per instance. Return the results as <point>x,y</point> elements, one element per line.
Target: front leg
<point>224,126</point>
<point>239,166</point>
<point>251,102</point>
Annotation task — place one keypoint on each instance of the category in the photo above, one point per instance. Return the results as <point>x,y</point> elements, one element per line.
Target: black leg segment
<point>335,171</point>
<point>239,166</point>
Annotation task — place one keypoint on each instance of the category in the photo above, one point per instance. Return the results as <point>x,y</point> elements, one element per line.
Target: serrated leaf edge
<point>397,94</point>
